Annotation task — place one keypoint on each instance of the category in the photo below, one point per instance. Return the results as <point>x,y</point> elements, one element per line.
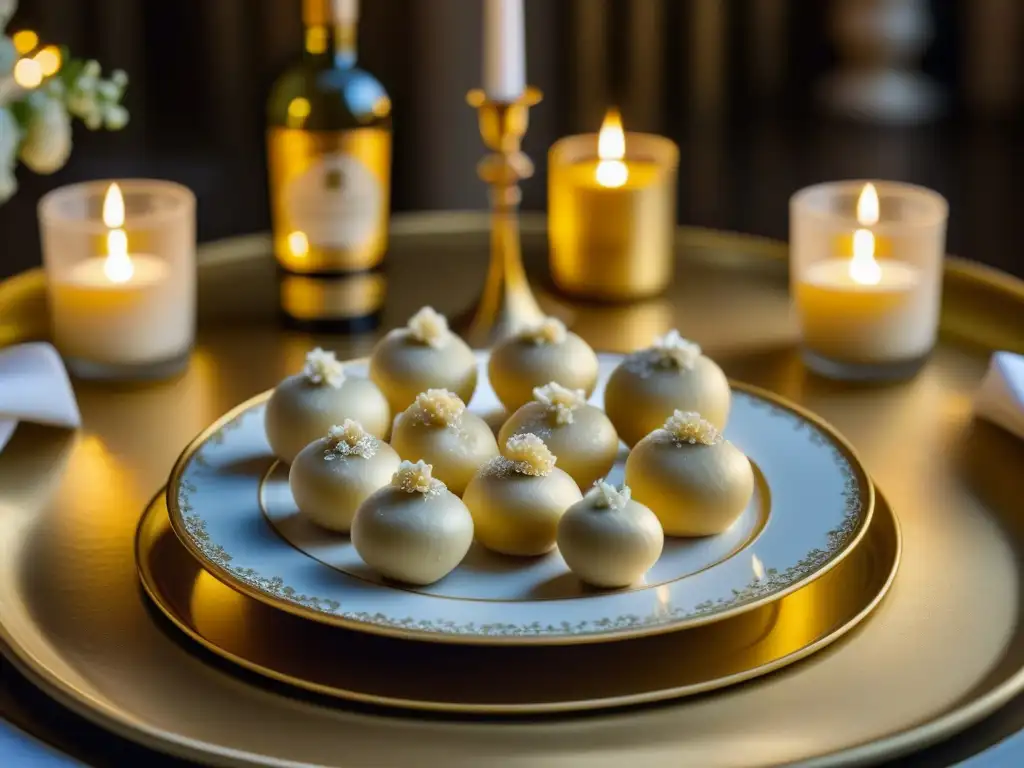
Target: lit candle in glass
<point>860,316</point>
<point>121,313</point>
<point>611,212</point>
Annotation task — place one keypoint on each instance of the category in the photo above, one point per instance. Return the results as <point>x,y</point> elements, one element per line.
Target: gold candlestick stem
<point>507,304</point>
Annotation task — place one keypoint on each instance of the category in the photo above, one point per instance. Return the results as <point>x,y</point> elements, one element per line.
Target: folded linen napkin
<point>1000,399</point>
<point>34,386</point>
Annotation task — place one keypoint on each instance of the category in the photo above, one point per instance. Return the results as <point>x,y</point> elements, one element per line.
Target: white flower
<point>116,117</point>
<point>82,103</point>
<point>8,183</point>
<point>91,70</point>
<point>7,9</point>
<point>119,78</point>
<point>54,86</point>
<point>10,136</point>
<point>93,120</point>
<point>108,90</point>
<point>47,143</point>
<point>8,56</point>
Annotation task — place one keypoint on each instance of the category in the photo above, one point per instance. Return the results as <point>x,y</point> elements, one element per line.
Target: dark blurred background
<point>737,83</point>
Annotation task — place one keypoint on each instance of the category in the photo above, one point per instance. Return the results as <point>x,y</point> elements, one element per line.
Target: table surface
<point>980,746</point>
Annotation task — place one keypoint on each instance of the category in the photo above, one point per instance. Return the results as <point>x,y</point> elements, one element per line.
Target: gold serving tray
<point>945,649</point>
<point>533,680</point>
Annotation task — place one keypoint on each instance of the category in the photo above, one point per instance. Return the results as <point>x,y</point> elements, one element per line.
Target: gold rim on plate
<point>511,681</point>
<point>280,599</point>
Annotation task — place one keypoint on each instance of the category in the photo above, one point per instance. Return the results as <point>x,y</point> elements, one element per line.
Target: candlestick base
<point>840,370</point>
<point>92,370</point>
<point>506,305</point>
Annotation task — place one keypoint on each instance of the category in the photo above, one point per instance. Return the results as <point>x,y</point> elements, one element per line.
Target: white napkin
<point>34,386</point>
<point>1000,399</point>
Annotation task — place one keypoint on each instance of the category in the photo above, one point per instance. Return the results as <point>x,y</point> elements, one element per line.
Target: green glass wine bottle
<point>329,151</point>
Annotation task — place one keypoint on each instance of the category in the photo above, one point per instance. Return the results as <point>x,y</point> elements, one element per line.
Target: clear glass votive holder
<point>121,276</point>
<point>612,241</point>
<point>866,277</point>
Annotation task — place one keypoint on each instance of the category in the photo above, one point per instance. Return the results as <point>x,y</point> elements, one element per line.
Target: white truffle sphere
<point>609,540</point>
<point>697,486</point>
<point>412,536</point>
<point>646,387</point>
<point>424,356</point>
<point>538,356</point>
<point>300,411</point>
<point>329,480</point>
<point>438,429</point>
<point>516,504</point>
<point>580,435</point>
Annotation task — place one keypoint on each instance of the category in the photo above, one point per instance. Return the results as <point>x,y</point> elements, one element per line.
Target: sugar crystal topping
<point>323,368</point>
<point>429,327</point>
<point>349,439</point>
<point>606,496</point>
<point>530,455</point>
<point>438,407</point>
<point>561,401</point>
<point>416,477</point>
<point>550,330</point>
<point>673,349</point>
<point>689,427</point>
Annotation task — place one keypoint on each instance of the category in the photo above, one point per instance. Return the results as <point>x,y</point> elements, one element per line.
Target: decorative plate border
<point>768,587</point>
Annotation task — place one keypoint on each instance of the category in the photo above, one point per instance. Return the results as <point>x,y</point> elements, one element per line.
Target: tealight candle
<point>121,287</point>
<point>866,287</point>
<point>611,212</point>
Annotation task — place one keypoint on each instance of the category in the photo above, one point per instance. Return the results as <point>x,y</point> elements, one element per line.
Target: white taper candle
<point>504,73</point>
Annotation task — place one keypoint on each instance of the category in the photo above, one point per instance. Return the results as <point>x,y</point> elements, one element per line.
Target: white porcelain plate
<point>230,504</point>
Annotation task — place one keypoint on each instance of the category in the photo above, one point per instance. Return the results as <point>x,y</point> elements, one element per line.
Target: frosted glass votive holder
<point>866,276</point>
<point>121,276</point>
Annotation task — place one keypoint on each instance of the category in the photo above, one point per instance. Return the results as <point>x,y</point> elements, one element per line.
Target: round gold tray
<point>532,680</point>
<point>945,649</point>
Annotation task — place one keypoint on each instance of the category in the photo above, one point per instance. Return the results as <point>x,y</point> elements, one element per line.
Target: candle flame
<point>118,265</point>
<point>611,149</point>
<point>113,207</point>
<point>867,206</point>
<point>298,243</point>
<point>863,267</point>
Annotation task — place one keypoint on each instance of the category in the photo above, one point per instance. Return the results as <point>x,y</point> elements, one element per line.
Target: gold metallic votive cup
<point>612,243</point>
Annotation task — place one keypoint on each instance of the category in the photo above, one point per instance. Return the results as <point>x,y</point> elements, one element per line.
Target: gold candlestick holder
<point>506,305</point>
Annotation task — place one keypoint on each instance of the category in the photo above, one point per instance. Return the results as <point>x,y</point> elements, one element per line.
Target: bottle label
<point>329,198</point>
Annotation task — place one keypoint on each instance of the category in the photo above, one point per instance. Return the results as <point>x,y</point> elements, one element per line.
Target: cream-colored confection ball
<point>646,387</point>
<point>438,429</point>
<point>304,406</point>
<point>580,435</point>
<point>332,476</point>
<point>608,539</point>
<point>694,480</point>
<point>538,356</point>
<point>413,529</point>
<point>517,499</point>
<point>423,355</point>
